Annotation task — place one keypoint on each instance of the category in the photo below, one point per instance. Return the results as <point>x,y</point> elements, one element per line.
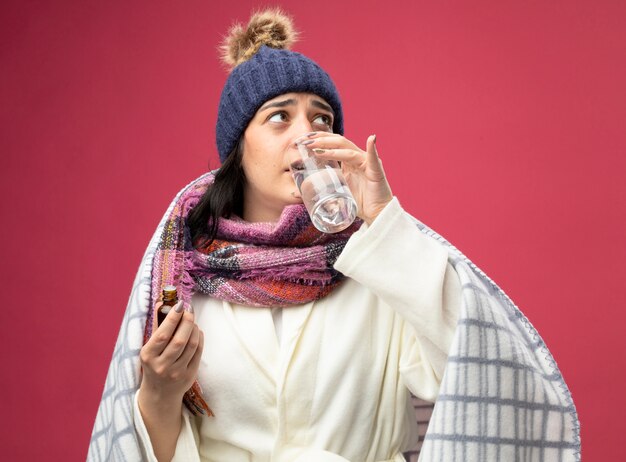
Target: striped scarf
<point>256,264</point>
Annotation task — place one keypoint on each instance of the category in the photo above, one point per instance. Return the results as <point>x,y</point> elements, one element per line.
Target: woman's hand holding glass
<point>363,171</point>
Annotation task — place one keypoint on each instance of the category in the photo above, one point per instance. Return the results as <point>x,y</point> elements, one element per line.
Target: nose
<point>302,127</point>
<point>293,153</point>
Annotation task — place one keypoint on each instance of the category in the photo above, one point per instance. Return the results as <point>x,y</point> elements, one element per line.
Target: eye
<point>278,117</point>
<point>324,120</point>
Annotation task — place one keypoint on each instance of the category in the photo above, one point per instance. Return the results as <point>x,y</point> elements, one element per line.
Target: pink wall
<point>501,125</point>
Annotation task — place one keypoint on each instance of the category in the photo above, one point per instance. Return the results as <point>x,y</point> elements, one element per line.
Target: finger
<point>319,135</point>
<point>194,363</point>
<point>349,156</point>
<point>179,340</point>
<point>190,348</point>
<point>374,164</point>
<point>162,335</point>
<point>330,141</point>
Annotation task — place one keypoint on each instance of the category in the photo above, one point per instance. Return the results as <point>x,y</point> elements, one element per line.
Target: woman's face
<point>268,150</point>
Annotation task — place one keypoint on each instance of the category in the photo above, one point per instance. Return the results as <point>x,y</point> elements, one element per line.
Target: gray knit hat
<point>264,69</point>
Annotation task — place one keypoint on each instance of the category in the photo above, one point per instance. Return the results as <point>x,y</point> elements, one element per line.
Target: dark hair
<point>222,199</point>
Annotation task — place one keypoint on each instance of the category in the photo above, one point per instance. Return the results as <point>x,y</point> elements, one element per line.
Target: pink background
<point>501,125</point>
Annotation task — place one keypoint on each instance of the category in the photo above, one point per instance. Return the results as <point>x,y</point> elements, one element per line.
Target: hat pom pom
<point>271,27</point>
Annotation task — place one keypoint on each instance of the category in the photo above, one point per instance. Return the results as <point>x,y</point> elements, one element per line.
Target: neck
<point>255,212</point>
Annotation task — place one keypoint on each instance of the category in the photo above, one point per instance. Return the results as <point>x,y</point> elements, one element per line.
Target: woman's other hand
<point>363,171</point>
<point>170,359</point>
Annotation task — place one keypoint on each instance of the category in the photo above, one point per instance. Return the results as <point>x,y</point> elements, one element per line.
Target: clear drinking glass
<point>324,191</point>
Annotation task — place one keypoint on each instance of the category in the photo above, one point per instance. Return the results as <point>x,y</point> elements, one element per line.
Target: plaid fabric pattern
<point>502,396</point>
<point>256,264</point>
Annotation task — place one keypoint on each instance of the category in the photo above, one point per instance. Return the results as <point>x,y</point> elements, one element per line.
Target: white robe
<point>328,380</point>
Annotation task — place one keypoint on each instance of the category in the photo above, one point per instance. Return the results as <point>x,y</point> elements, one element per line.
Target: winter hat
<point>263,67</point>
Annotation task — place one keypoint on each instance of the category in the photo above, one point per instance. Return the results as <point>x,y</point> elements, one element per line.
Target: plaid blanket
<point>502,396</point>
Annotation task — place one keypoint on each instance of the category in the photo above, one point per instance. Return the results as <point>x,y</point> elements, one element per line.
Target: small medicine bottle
<point>170,298</point>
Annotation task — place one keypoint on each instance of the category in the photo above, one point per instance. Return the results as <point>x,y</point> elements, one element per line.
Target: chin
<point>289,192</point>
<point>294,200</point>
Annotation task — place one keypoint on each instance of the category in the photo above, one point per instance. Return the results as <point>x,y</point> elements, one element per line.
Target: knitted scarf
<point>256,264</point>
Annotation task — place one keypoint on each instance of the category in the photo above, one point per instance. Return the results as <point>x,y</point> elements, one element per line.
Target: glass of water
<point>324,191</point>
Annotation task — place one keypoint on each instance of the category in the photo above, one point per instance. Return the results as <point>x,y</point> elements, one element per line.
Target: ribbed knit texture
<point>269,73</point>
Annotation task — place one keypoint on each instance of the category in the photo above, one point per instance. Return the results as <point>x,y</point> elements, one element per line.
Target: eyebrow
<point>292,102</point>
<point>286,102</point>
<point>321,105</point>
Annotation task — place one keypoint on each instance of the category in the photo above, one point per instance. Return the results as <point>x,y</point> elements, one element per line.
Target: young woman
<point>288,344</point>
<point>313,352</point>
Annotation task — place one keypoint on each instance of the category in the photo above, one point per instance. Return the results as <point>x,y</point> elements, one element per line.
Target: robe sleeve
<point>410,272</point>
<point>186,445</point>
